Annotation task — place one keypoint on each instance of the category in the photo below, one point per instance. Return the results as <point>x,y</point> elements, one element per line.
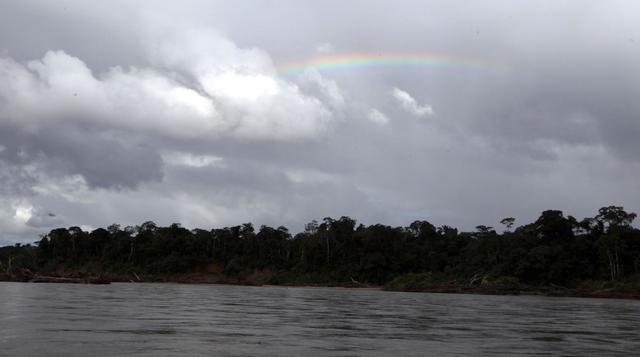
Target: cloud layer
<point>130,111</point>
<point>108,126</point>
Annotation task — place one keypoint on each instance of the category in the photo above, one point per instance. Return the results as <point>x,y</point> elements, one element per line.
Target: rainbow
<point>352,60</point>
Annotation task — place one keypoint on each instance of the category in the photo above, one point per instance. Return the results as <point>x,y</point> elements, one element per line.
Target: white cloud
<point>19,218</point>
<point>191,160</point>
<point>44,220</point>
<point>325,48</point>
<point>300,176</point>
<point>409,104</point>
<point>202,85</point>
<point>61,88</point>
<point>239,88</point>
<point>260,106</point>
<point>23,213</point>
<point>243,83</point>
<point>378,117</point>
<point>327,89</point>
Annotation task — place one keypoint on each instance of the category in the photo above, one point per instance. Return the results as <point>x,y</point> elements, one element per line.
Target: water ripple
<point>206,320</point>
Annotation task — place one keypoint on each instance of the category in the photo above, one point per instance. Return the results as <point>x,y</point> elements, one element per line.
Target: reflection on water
<point>216,320</point>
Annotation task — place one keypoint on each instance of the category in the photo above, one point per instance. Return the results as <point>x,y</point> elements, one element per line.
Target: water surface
<point>217,320</point>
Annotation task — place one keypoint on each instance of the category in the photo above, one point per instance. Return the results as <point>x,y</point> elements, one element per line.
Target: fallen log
<point>55,279</point>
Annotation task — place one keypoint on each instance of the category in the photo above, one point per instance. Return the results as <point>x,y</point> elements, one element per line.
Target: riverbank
<point>603,293</point>
<point>590,290</point>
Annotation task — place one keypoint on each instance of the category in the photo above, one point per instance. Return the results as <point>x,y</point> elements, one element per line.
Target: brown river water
<point>219,320</point>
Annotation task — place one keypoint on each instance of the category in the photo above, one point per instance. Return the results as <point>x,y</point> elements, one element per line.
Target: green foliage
<point>555,249</point>
<point>409,282</point>
<point>502,281</point>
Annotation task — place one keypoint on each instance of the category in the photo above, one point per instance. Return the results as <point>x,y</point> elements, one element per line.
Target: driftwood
<point>55,279</point>
<point>475,278</point>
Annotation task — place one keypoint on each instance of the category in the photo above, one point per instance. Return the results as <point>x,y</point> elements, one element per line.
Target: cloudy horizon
<point>133,111</point>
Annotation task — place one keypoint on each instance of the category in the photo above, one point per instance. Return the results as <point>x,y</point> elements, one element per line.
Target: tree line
<point>554,250</point>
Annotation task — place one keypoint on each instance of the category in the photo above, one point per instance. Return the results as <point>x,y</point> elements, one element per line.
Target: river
<point>219,320</point>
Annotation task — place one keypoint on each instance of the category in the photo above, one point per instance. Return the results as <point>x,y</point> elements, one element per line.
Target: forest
<point>555,250</point>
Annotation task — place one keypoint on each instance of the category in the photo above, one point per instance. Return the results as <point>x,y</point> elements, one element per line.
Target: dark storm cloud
<point>102,161</point>
<point>14,180</point>
<point>129,111</point>
<point>586,102</point>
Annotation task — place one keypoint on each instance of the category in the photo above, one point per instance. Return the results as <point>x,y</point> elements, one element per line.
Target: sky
<point>216,113</point>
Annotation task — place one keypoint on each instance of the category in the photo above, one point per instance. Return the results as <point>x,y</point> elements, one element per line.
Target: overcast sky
<point>127,111</point>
